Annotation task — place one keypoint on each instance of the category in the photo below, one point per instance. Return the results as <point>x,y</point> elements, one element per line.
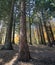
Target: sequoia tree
<point>24,54</point>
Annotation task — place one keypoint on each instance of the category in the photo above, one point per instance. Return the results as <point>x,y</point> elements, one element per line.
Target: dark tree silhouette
<point>8,44</point>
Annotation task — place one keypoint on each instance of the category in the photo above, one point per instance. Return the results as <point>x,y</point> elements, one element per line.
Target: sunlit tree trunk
<point>8,45</point>
<point>24,54</point>
<point>47,31</point>
<point>38,33</point>
<point>30,24</point>
<point>41,32</point>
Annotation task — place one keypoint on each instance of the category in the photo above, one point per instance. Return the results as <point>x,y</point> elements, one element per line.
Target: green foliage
<point>45,4</point>
<point>4,8</point>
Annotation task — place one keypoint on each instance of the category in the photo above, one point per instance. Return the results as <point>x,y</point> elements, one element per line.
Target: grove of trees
<point>31,19</point>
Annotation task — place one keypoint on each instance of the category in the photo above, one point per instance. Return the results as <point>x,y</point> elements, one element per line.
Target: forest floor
<point>41,55</point>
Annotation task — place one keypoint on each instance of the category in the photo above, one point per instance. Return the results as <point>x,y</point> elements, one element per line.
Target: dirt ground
<point>41,55</point>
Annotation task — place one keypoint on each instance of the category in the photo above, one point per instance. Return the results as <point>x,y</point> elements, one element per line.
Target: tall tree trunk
<point>42,32</point>
<point>0,38</point>
<point>30,25</point>
<point>24,54</point>
<point>46,28</point>
<point>52,35</point>
<point>8,45</point>
<point>38,33</point>
<point>13,34</point>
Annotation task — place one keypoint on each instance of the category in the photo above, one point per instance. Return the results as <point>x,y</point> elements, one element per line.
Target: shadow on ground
<point>6,56</point>
<point>43,61</point>
<point>41,55</point>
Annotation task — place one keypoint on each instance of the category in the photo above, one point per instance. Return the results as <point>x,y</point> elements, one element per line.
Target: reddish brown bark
<point>24,54</point>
